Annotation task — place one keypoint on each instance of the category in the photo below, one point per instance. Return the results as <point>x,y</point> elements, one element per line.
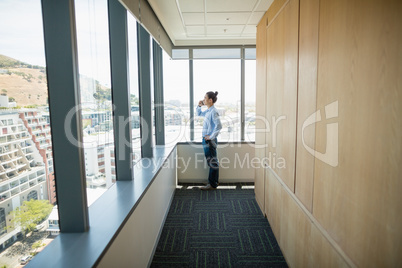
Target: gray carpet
<point>219,228</point>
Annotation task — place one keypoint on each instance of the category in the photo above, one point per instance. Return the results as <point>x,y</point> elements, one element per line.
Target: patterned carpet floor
<point>219,228</point>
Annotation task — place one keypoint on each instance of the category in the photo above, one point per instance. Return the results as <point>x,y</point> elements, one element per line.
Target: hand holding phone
<point>201,103</point>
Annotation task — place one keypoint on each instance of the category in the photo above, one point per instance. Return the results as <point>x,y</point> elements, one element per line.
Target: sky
<point>22,35</point>
<point>21,31</point>
<point>22,38</point>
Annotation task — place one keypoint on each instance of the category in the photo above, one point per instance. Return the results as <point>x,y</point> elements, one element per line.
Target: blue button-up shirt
<point>212,123</point>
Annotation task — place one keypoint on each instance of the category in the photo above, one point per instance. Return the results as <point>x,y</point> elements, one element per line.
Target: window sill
<point>107,217</point>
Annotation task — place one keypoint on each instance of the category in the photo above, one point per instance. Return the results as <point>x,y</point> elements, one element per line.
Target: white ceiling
<point>210,22</point>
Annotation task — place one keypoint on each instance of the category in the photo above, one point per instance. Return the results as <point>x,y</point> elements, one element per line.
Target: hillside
<point>7,62</point>
<point>24,82</point>
<point>27,84</point>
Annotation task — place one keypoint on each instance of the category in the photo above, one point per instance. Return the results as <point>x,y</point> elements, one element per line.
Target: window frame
<point>186,53</point>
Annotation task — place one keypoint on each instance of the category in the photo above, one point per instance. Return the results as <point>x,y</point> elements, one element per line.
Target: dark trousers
<point>212,160</point>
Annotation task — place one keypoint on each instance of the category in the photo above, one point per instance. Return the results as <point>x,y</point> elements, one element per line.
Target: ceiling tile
<point>231,30</point>
<point>193,18</point>
<point>230,5</point>
<point>250,30</point>
<point>228,18</point>
<point>195,30</point>
<point>168,14</point>
<point>264,5</point>
<point>256,17</point>
<point>188,28</point>
<point>191,5</point>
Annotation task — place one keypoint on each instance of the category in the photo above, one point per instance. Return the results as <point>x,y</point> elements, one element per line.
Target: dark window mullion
<point>65,117</point>
<point>118,40</point>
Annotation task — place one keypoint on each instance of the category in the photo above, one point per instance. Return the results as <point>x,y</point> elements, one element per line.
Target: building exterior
<point>22,171</point>
<point>99,160</point>
<point>94,165</point>
<point>39,128</point>
<point>93,118</point>
<point>106,163</point>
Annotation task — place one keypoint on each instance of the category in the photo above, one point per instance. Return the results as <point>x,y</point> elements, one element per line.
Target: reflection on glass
<point>176,98</point>
<point>222,76</point>
<point>95,89</point>
<point>134,99</point>
<point>250,87</point>
<point>27,184</point>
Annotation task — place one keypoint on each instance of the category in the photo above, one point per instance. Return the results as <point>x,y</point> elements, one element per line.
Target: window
<point>217,53</point>
<point>151,72</point>
<point>2,221</point>
<point>176,98</point>
<point>32,195</point>
<point>250,95</point>
<point>180,54</point>
<point>25,137</point>
<point>218,69</point>
<point>223,76</point>
<point>134,94</point>
<point>95,89</point>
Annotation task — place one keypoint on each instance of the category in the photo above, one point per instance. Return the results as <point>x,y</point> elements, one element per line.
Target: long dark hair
<point>212,95</point>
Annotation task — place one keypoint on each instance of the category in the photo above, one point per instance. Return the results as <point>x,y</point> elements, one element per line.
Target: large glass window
<point>223,76</point>
<point>216,53</point>
<point>176,98</point>
<point>134,93</point>
<point>3,223</point>
<point>151,71</point>
<point>250,98</point>
<point>95,88</point>
<point>27,185</point>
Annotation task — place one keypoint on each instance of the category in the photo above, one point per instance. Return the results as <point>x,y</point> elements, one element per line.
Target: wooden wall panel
<point>359,201</point>
<point>273,204</point>
<point>294,232</point>
<point>301,240</point>
<point>321,252</point>
<point>282,58</point>
<point>306,98</point>
<point>352,217</point>
<point>260,122</point>
<point>259,183</point>
<point>274,10</point>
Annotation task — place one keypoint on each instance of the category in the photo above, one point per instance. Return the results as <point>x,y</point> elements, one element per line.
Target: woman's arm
<point>218,125</point>
<point>199,112</point>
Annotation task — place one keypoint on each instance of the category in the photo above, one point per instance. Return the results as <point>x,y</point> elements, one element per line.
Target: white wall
<point>135,244</point>
<point>236,163</point>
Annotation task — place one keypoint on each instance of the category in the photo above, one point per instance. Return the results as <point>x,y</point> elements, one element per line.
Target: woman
<point>210,131</point>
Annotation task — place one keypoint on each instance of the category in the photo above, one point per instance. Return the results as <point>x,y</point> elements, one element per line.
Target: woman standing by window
<point>211,128</point>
